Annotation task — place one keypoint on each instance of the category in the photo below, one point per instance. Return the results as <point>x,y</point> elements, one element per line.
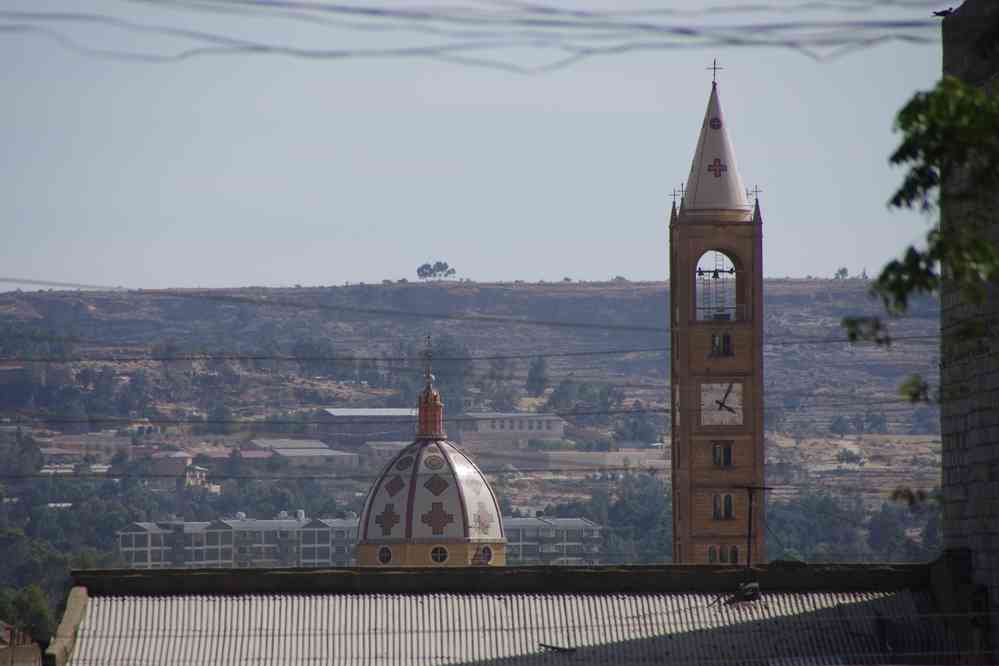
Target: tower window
<point>721,344</point>
<point>724,555</point>
<point>722,507</point>
<point>712,554</point>
<point>716,285</point>
<point>384,554</point>
<point>439,554</point>
<point>721,454</point>
<point>734,555</point>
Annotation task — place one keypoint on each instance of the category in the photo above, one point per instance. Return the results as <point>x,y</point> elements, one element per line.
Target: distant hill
<point>809,377</point>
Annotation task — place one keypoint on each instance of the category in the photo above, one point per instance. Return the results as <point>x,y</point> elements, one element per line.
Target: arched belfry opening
<point>718,284</point>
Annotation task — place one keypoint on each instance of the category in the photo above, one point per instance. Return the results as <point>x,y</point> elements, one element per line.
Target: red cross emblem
<point>717,168</point>
<point>387,519</point>
<point>437,518</point>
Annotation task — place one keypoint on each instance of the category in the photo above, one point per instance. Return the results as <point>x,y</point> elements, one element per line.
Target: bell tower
<point>716,340</point>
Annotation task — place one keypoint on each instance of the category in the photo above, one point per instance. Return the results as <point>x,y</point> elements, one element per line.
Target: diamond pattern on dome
<point>395,485</point>
<point>439,495</point>
<point>436,485</point>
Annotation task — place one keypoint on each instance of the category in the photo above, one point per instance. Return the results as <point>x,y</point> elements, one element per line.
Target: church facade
<point>716,343</point>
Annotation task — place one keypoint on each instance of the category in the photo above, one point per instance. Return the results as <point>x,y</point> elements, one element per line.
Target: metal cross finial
<point>755,192</point>
<point>676,194</point>
<point>714,70</point>
<point>683,191</point>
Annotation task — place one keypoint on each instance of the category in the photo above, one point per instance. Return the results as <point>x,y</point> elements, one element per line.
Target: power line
<point>468,34</point>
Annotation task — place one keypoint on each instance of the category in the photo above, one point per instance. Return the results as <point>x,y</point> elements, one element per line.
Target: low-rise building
<point>297,541</point>
<point>308,457</point>
<point>380,452</point>
<point>273,444</point>
<point>240,542</point>
<point>553,541</point>
<point>356,425</point>
<point>513,429</point>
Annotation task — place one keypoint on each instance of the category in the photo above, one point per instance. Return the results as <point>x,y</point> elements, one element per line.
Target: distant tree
<point>438,270</point>
<point>537,376</point>
<point>33,614</point>
<point>875,422</point>
<point>220,420</point>
<point>839,425</point>
<point>886,532</point>
<point>842,273</point>
<point>858,423</point>
<point>505,399</point>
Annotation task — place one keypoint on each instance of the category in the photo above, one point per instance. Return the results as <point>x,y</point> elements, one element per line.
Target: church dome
<point>431,505</point>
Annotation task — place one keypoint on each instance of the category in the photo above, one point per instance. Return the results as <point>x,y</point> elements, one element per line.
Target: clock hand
<point>727,392</point>
<point>722,405</point>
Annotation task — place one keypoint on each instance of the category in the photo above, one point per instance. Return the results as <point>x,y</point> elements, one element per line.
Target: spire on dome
<point>431,409</point>
<point>714,183</point>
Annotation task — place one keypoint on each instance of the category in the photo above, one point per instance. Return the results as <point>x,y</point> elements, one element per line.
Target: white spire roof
<point>714,183</point>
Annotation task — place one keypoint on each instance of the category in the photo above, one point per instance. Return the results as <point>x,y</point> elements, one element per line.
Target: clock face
<point>721,404</point>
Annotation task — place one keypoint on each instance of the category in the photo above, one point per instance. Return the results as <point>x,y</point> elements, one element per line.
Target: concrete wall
<point>970,368</point>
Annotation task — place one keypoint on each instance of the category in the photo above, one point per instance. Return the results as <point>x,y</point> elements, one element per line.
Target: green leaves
<point>950,146</point>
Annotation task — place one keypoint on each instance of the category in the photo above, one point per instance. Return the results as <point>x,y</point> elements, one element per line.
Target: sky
<point>262,169</point>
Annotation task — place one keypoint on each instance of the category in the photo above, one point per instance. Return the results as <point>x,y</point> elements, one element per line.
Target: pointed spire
<point>431,409</point>
<point>714,184</point>
<point>672,214</point>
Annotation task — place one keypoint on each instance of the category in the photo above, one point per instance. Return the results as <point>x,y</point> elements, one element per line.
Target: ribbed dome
<point>431,492</point>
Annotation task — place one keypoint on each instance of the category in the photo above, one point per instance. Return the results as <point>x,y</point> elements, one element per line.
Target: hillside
<point>806,377</point>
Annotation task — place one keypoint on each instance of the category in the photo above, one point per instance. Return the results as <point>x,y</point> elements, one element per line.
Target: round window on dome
<point>384,554</point>
<point>439,554</point>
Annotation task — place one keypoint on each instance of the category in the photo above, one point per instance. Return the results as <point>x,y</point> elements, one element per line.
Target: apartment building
<point>552,541</point>
<point>240,542</point>
<point>298,541</point>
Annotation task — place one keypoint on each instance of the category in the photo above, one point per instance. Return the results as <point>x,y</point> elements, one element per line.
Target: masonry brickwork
<point>970,368</point>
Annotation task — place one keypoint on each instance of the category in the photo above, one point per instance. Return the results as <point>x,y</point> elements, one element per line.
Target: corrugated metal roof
<point>505,629</point>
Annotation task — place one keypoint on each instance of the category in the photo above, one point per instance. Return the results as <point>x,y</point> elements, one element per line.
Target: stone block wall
<point>969,372</point>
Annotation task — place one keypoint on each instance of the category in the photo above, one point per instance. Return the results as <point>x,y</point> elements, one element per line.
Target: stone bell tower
<point>716,340</point>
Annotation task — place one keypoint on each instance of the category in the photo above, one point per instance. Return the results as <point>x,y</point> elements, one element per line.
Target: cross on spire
<point>753,193</point>
<point>714,70</point>
<point>676,194</point>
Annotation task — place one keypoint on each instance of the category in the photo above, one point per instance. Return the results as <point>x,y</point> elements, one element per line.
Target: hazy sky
<point>270,170</point>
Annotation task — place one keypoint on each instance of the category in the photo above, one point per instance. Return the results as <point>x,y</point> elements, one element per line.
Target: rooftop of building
<point>372,412</point>
<point>286,443</point>
<point>837,613</point>
<point>312,453</point>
